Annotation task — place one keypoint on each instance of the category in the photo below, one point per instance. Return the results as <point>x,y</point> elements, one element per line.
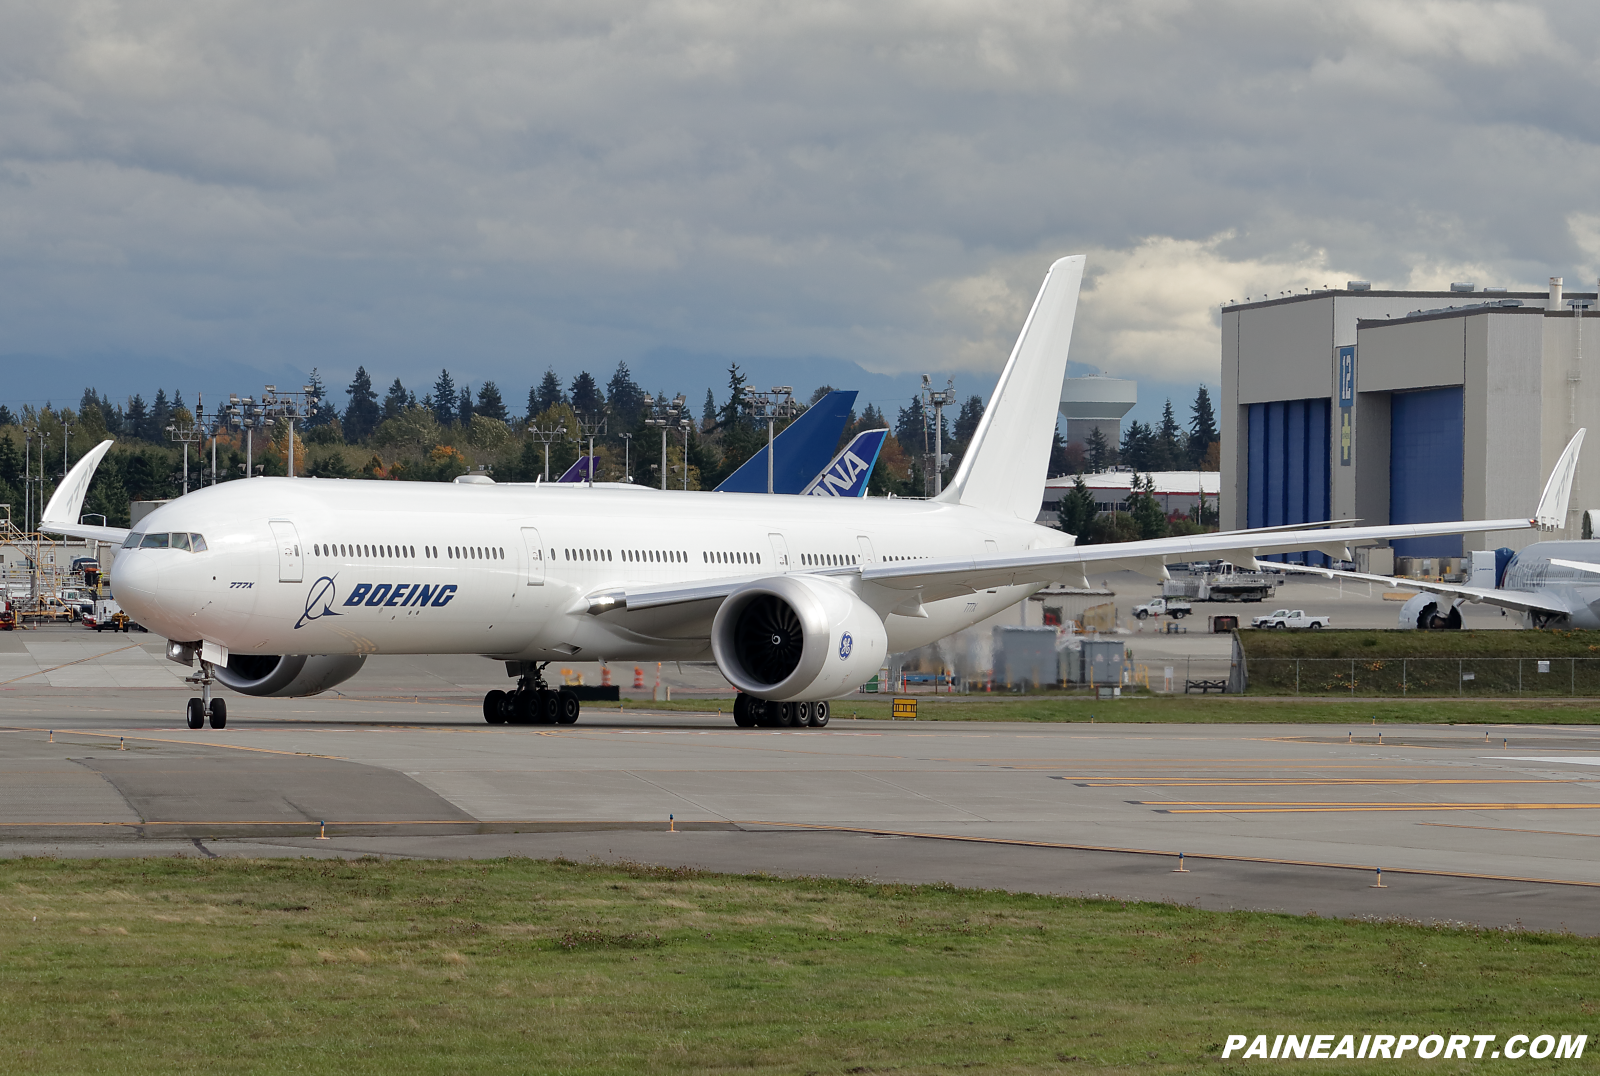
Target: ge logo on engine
<point>845,643</point>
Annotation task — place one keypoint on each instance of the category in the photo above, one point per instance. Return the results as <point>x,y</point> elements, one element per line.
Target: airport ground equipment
<point>1176,608</point>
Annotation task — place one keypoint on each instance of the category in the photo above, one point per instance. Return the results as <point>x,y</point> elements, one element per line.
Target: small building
<point>1175,491</point>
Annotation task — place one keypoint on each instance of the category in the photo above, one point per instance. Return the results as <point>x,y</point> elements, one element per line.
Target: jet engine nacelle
<point>797,639</point>
<point>287,675</point>
<point>1429,612</point>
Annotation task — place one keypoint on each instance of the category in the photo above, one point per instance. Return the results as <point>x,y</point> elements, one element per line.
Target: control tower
<point>1088,402</point>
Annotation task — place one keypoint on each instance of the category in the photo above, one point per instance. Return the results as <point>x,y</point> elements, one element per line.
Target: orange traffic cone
<point>605,676</point>
<point>638,678</point>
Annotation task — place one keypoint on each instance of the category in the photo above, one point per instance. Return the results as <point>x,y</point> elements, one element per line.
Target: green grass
<point>1197,709</point>
<point>240,966</point>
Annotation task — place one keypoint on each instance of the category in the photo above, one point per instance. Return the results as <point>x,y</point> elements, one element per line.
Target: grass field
<point>238,966</point>
<point>1201,709</point>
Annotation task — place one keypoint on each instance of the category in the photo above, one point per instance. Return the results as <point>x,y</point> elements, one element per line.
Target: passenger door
<point>287,539</point>
<point>780,552</point>
<point>869,559</point>
<point>533,546</point>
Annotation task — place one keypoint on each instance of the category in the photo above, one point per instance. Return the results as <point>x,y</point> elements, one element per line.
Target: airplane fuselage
<point>308,566</point>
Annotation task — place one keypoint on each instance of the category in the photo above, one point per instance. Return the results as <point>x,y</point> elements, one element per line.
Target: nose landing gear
<point>532,703</point>
<point>199,709</point>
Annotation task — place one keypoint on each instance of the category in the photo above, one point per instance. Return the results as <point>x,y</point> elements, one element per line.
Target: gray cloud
<point>495,187</point>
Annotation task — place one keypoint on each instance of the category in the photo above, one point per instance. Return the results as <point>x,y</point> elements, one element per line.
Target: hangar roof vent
<point>1463,285</point>
<point>1358,285</point>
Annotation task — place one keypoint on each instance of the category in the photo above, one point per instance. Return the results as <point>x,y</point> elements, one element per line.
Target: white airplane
<point>282,587</point>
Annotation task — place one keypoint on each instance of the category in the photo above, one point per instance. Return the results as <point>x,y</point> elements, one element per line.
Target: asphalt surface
<point>1492,826</point>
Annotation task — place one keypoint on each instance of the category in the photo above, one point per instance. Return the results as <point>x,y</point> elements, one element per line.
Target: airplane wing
<point>1542,601</point>
<point>850,471</point>
<point>939,578</point>
<point>61,515</point>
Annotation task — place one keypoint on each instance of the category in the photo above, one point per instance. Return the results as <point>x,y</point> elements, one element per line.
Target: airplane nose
<point>133,583</point>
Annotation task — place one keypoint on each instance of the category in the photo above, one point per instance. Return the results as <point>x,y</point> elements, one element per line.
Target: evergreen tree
<point>177,404</point>
<point>1100,455</point>
<point>395,400</point>
<point>708,414</point>
<point>322,411</point>
<point>444,398</point>
<point>733,410</point>
<point>627,398</point>
<point>968,417</point>
<point>464,406</point>
<point>160,417</point>
<point>911,426</point>
<point>546,395</point>
<point>1138,444</point>
<point>871,419</point>
<point>10,462</point>
<point>1058,456</point>
<point>6,417</point>
<point>137,419</point>
<point>361,416</point>
<point>1076,511</point>
<point>1145,509</point>
<point>89,398</point>
<point>586,397</point>
<point>1171,445</point>
<point>490,405</point>
<point>1202,428</point>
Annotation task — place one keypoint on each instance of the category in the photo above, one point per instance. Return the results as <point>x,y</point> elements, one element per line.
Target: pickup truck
<point>1173,607</point>
<point>1283,619</point>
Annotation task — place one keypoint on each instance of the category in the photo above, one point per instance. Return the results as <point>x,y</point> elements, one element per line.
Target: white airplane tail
<point>1004,470</point>
<point>1552,511</point>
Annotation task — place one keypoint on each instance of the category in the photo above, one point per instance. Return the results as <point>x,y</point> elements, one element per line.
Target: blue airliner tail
<point>579,472</point>
<point>801,450</point>
<point>848,474</point>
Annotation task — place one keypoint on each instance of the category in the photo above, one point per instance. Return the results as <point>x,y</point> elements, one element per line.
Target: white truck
<point>1283,619</point>
<point>1176,608</point>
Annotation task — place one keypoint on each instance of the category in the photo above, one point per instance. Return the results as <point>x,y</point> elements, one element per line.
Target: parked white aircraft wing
<point>1520,600</point>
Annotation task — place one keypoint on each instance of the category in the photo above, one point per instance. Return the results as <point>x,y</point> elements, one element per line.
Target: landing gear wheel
<point>494,707</point>
<point>219,714</point>
<point>741,713</point>
<point>567,707</point>
<point>197,714</point>
<point>549,707</point>
<point>525,708</point>
<point>819,714</point>
<point>802,714</point>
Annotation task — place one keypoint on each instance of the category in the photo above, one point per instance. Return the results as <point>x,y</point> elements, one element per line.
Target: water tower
<point>1088,402</point>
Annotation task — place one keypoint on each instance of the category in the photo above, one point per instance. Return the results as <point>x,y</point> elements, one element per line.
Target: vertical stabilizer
<point>1004,470</point>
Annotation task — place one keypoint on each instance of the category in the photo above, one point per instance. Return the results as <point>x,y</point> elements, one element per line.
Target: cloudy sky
<point>216,195</point>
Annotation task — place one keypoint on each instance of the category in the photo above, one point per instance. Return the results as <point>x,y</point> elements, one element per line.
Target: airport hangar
<point>1406,407</point>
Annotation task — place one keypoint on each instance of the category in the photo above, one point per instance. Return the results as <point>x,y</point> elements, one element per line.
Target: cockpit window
<point>132,541</point>
<point>197,542</point>
<point>154,541</point>
<point>180,540</point>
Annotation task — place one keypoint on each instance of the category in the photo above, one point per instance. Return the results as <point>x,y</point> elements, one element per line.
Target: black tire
<point>741,712</point>
<point>549,708</point>
<point>820,712</point>
<point>568,707</point>
<point>219,714</point>
<point>494,707</point>
<point>1179,614</point>
<point>1141,614</point>
<point>196,714</point>
<point>1315,626</point>
<point>802,715</point>
<point>524,708</point>
<point>768,715</point>
<point>795,714</point>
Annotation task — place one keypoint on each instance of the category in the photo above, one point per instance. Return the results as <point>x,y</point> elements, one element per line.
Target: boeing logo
<point>323,593</point>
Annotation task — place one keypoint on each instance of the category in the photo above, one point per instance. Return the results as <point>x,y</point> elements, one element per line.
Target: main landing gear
<point>532,703</point>
<point>205,705</point>
<point>749,713</point>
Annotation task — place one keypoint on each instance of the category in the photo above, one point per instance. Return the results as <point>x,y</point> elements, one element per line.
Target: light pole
<point>684,424</point>
<point>544,435</point>
<point>938,400</point>
<point>627,457</point>
<point>246,414</point>
<point>27,478</point>
<point>772,405</point>
<point>186,435</point>
<point>594,424</point>
<point>661,413</point>
<point>66,434</point>
<point>289,405</point>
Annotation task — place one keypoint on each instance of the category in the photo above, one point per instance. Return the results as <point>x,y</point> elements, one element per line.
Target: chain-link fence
<point>1424,677</point>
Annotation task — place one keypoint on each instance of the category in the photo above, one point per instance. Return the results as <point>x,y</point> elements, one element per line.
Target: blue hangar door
<point>1427,456</point>
<point>1290,450</point>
